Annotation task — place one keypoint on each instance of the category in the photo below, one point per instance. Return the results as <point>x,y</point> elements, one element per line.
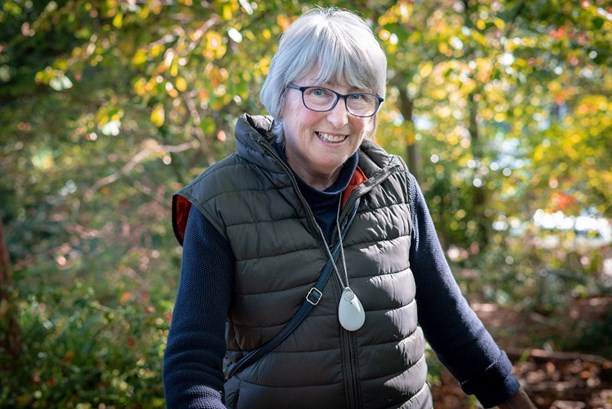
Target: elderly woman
<point>311,223</point>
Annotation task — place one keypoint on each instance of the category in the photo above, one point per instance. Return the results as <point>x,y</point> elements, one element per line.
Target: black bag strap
<point>312,298</point>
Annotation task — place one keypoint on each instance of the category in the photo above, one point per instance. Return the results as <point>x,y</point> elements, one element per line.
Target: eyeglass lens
<point>323,99</point>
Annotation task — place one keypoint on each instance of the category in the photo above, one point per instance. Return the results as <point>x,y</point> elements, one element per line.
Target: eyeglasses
<point>320,99</point>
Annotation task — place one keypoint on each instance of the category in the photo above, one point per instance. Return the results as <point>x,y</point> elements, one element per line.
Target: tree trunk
<point>479,191</point>
<point>413,153</point>
<point>11,337</point>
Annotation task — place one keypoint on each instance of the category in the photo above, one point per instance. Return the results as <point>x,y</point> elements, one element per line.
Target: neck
<point>319,182</point>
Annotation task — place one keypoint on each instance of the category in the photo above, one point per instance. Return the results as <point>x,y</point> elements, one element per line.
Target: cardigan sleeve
<point>451,327</point>
<point>193,361</point>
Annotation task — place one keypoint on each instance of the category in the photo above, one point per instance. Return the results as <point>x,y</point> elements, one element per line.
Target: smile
<point>325,137</point>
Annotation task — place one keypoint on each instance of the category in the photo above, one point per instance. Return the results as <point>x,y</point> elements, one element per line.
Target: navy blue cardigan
<point>192,373</point>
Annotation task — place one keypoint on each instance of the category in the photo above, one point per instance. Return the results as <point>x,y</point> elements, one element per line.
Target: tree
<point>11,338</point>
<point>501,108</point>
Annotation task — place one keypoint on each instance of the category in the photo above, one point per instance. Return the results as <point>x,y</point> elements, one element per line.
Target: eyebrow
<point>330,85</point>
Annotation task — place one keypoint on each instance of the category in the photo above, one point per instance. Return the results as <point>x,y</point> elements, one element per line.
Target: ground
<point>553,379</point>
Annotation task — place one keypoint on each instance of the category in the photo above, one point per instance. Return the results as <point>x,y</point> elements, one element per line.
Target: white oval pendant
<point>350,311</point>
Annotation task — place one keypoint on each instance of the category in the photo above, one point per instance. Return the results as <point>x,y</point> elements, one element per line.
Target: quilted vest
<point>252,199</point>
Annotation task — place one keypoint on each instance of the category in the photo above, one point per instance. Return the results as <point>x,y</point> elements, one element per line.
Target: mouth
<point>325,137</point>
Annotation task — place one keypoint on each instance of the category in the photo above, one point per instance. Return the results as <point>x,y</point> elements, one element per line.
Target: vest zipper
<point>347,338</point>
<point>350,366</point>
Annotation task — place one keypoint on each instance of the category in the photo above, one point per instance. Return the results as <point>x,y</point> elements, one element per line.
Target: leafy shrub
<point>80,353</point>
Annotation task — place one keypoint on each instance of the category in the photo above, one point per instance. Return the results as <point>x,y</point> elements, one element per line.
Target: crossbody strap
<point>312,298</point>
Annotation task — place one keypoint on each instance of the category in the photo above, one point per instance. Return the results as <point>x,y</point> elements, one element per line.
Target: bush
<point>80,353</point>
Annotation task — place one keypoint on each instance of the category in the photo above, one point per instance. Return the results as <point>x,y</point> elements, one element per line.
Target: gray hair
<point>338,43</point>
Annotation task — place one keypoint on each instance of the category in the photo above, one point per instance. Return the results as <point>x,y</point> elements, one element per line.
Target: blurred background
<point>500,108</point>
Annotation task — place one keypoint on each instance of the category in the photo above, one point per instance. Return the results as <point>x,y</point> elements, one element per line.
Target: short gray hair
<point>338,43</point>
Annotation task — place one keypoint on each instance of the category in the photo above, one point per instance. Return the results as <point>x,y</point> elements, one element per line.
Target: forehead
<point>337,82</point>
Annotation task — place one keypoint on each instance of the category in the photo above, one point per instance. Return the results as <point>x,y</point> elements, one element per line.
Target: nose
<point>338,116</point>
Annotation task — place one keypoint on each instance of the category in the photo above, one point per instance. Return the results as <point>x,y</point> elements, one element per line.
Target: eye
<point>319,92</point>
<point>357,96</point>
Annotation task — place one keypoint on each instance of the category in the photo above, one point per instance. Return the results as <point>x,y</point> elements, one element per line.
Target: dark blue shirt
<point>324,204</point>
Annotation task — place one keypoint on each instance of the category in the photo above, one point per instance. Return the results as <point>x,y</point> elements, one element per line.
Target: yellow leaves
<point>108,119</point>
<point>482,24</point>
<point>180,84</point>
<point>388,18</point>
<point>425,69</point>
<point>156,6</point>
<point>264,65</point>
<point>445,49</point>
<point>500,117</point>
<point>144,11</point>
<point>405,10</point>
<point>170,90</point>
<point>483,69</point>
<point>499,23</point>
<point>479,38</point>
<point>389,39</point>
<point>213,46</point>
<point>411,137</point>
<point>171,62</point>
<point>55,78</point>
<point>140,57</point>
<point>399,13</point>
<point>384,35</point>
<point>453,137</point>
<point>227,12</point>
<point>158,115</point>
<point>283,21</point>
<point>118,20</point>
<point>143,87</point>
<point>487,113</point>
<point>156,50</point>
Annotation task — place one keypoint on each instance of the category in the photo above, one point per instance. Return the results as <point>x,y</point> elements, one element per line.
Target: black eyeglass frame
<point>338,96</point>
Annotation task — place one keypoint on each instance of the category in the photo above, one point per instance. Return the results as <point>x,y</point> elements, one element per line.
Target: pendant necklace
<point>350,311</point>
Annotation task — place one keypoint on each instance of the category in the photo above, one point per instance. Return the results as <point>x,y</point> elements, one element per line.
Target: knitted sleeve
<point>451,327</point>
<point>192,373</point>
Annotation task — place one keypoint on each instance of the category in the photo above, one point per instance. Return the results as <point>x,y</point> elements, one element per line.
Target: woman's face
<point>318,143</point>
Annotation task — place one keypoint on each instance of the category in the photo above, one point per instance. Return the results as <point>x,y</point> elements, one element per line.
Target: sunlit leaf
<point>158,115</point>
<point>118,20</point>
<point>180,84</point>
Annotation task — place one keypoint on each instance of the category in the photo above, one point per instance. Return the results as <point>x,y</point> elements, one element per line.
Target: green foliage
<point>594,337</point>
<point>83,354</point>
<point>106,108</point>
<point>535,279</point>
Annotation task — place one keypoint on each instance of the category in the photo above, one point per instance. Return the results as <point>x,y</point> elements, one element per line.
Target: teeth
<point>331,138</point>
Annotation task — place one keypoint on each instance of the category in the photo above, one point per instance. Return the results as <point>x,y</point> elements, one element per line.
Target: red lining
<point>358,178</point>
<point>181,212</point>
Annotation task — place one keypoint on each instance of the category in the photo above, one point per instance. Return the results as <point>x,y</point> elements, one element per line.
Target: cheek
<point>294,111</point>
<point>305,121</point>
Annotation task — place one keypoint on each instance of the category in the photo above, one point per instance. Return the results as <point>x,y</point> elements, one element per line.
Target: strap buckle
<point>314,296</point>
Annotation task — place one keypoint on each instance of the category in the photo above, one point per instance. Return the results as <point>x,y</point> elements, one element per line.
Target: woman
<point>305,190</point>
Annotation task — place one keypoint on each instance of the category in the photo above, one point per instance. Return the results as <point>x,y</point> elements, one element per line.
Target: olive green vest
<point>251,198</point>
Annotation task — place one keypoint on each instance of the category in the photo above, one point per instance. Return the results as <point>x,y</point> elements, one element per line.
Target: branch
<point>150,147</point>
